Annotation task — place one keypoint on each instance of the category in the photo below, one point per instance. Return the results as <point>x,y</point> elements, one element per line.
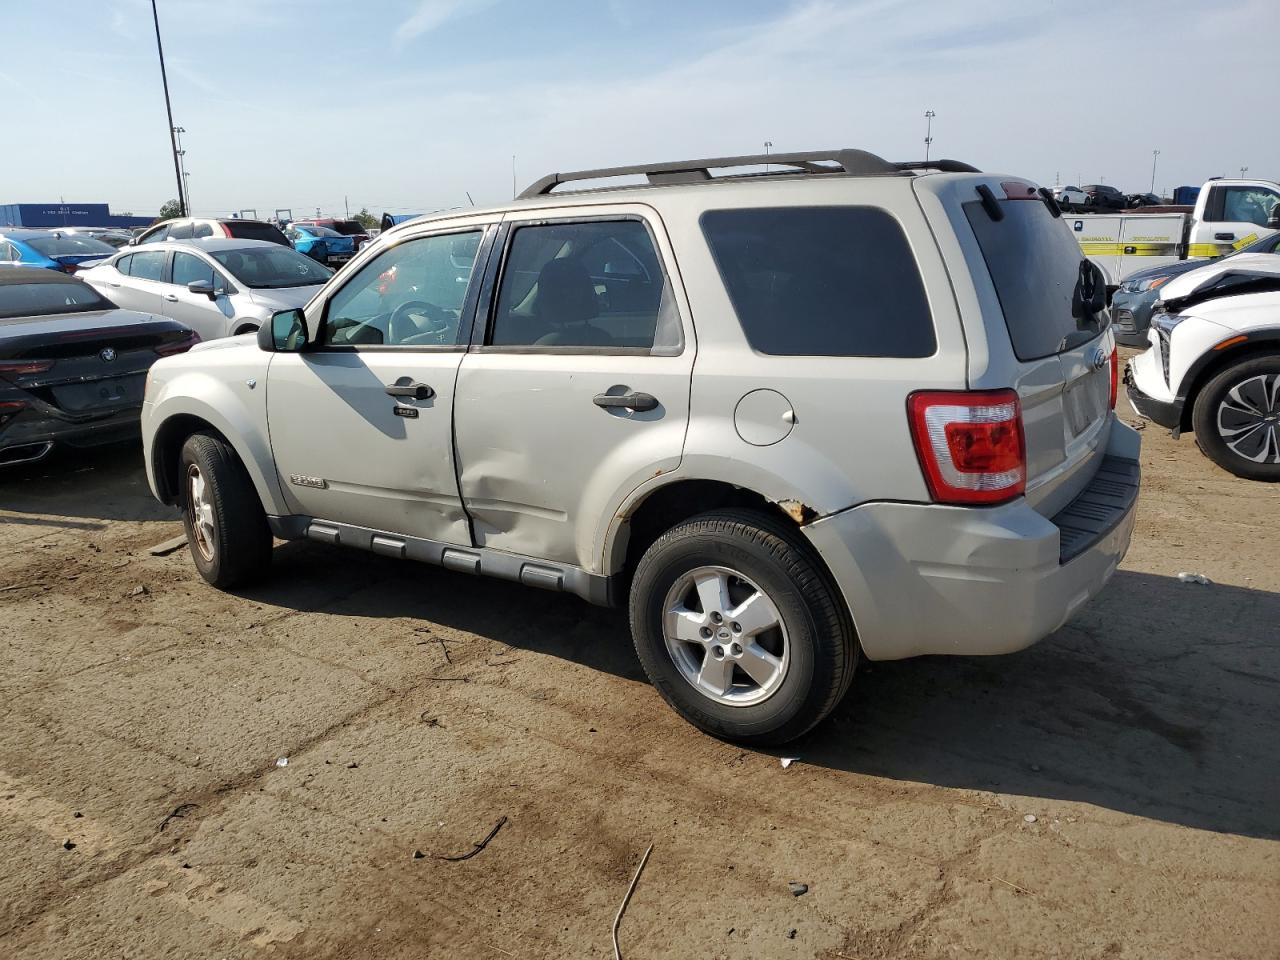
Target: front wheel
<point>1237,419</point>
<point>226,526</point>
<point>740,629</point>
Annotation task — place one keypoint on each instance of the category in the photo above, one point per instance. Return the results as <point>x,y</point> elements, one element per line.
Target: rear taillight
<point>1115,375</point>
<point>21,368</point>
<point>970,444</point>
<point>225,229</point>
<point>178,346</point>
<point>68,267</point>
<point>8,408</point>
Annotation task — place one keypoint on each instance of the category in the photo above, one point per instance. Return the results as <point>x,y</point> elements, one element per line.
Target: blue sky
<point>407,105</point>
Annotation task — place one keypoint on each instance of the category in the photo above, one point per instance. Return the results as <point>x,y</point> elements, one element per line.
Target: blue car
<point>50,249</point>
<point>321,244</point>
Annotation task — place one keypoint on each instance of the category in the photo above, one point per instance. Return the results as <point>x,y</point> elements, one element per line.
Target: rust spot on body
<point>801,513</point>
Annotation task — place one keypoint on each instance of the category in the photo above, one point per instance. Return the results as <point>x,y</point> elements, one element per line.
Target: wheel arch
<point>1260,343</point>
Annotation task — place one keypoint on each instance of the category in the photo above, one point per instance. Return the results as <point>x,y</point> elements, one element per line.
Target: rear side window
<point>202,230</point>
<point>822,281</point>
<point>1034,262</point>
<point>180,231</point>
<point>252,230</point>
<point>148,265</point>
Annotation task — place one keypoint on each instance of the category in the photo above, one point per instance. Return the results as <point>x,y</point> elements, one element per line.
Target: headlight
<point>1143,285</point>
<point>1165,322</point>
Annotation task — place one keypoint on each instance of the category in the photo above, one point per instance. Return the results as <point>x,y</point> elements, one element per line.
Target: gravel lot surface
<point>1112,792</point>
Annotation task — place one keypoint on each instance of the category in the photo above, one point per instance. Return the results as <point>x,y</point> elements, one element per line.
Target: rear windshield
<point>1034,263</point>
<point>348,227</point>
<point>249,230</point>
<point>822,281</point>
<point>41,299</point>
<point>72,246</point>
<point>317,231</point>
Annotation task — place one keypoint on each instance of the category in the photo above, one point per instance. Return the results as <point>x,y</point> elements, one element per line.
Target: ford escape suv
<point>846,407</point>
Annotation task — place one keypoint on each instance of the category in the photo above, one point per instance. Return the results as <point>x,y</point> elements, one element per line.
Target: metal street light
<point>1155,156</point>
<point>185,198</point>
<point>173,137</point>
<point>768,145</point>
<point>928,132</point>
<point>1243,171</point>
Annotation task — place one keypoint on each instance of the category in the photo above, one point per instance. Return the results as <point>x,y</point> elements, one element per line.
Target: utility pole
<point>513,176</point>
<point>928,132</point>
<point>1155,156</point>
<point>173,137</point>
<point>346,207</point>
<point>768,145</point>
<point>185,198</point>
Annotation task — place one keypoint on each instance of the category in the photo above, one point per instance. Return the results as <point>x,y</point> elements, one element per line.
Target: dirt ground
<point>1112,792</point>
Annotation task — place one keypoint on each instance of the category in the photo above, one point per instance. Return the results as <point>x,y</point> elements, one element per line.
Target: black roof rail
<point>856,162</point>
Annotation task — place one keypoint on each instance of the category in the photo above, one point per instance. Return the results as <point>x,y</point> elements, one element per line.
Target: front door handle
<point>629,401</point>
<point>411,391</point>
<point>1224,236</point>
<point>171,298</point>
<point>110,284</point>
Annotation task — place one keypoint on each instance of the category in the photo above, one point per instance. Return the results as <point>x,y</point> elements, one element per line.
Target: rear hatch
<point>70,252</point>
<point>1047,339</point>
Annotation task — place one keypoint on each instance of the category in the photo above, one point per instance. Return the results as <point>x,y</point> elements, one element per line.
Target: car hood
<point>1264,266</point>
<point>1176,269</point>
<point>284,298</point>
<point>244,340</point>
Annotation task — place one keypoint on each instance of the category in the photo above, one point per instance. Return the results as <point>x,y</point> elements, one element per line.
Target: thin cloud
<point>431,14</point>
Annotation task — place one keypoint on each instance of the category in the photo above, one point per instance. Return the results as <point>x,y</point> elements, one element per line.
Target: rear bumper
<point>928,579</point>
<point>30,433</point>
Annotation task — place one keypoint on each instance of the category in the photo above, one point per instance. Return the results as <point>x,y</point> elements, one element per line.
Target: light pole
<point>1155,156</point>
<point>1243,171</point>
<point>768,145</point>
<point>928,132</point>
<point>185,198</point>
<point>173,137</point>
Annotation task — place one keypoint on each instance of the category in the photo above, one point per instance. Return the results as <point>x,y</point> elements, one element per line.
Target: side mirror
<point>285,333</point>
<point>202,286</point>
<point>1273,221</point>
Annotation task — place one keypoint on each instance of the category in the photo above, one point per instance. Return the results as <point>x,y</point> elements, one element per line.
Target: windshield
<point>1036,267</point>
<point>265,268</point>
<point>70,246</point>
<point>41,299</point>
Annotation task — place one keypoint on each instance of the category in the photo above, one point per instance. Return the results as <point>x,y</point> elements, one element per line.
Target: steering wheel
<point>404,325</point>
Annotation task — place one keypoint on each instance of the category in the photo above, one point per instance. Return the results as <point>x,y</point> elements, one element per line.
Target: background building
<point>65,215</point>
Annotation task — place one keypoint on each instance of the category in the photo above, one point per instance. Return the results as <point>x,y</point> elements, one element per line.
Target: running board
<point>479,561</point>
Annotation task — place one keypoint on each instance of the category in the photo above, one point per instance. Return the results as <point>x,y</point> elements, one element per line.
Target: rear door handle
<point>172,298</point>
<point>413,391</point>
<point>1224,236</point>
<point>629,401</point>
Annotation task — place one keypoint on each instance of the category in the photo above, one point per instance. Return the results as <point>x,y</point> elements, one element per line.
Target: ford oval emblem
<point>1099,358</point>
<point>107,354</point>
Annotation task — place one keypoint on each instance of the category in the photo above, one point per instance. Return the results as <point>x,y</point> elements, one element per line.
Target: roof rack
<point>852,162</point>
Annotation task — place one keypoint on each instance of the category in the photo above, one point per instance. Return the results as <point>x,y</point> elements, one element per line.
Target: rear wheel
<point>740,629</point>
<point>226,526</point>
<point>1237,419</point>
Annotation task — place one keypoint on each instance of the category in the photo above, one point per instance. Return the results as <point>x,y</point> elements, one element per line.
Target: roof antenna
<point>468,193</point>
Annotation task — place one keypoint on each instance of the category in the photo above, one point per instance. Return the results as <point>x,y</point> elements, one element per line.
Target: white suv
<point>847,407</point>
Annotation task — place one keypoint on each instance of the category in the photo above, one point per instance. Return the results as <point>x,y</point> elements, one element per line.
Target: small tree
<point>170,210</point>
<point>366,219</point>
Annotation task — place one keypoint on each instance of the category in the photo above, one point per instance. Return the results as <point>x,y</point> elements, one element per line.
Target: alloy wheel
<point>1249,418</point>
<point>725,636</point>
<point>202,526</point>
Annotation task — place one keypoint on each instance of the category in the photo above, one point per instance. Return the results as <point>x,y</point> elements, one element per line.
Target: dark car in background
<point>1103,197</point>
<point>1143,200</point>
<point>73,365</point>
<point>1133,302</point>
<point>51,249</point>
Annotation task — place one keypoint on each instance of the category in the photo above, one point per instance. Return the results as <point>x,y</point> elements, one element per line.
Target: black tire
<point>239,550</point>
<point>822,647</point>
<point>1205,419</point>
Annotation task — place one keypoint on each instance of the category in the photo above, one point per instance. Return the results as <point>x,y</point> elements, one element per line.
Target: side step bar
<point>480,561</point>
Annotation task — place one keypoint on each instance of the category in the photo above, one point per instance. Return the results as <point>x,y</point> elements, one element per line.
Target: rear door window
<point>148,265</point>
<point>822,281</point>
<point>1035,265</point>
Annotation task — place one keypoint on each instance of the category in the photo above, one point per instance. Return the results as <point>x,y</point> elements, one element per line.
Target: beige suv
<point>845,407</point>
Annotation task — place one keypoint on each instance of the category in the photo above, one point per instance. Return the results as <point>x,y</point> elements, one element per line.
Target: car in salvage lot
<point>51,249</point>
<point>887,447</point>
<point>322,244</point>
<point>218,287</point>
<point>72,364</point>
<point>1214,363</point>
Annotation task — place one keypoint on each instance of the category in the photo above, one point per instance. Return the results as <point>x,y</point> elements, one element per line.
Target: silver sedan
<point>218,287</point>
